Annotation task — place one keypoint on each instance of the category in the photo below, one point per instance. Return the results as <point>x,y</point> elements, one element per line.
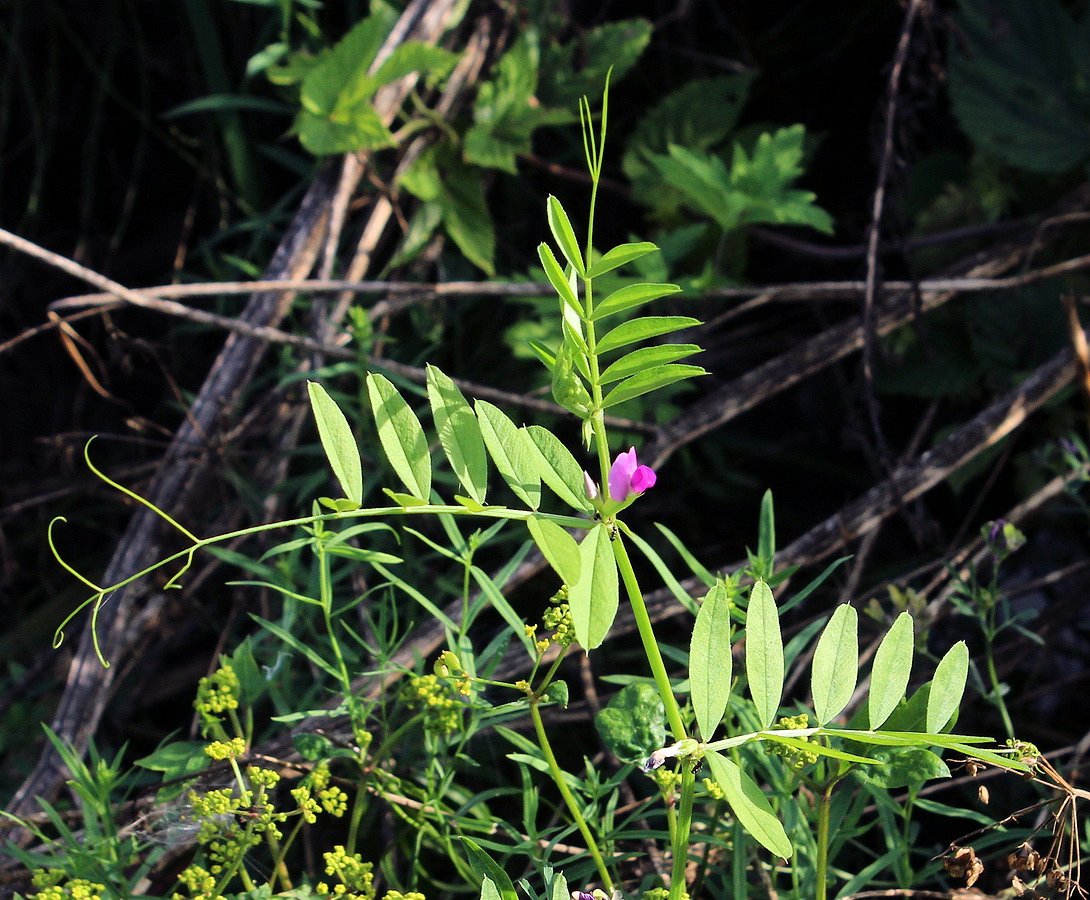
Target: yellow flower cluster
<point>355,879</point>
<point>436,699</point>
<point>231,749</point>
<point>217,693</point>
<point>713,789</point>
<point>795,757</point>
<point>52,886</point>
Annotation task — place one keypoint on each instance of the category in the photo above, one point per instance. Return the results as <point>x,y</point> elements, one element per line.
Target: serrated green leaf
<point>710,661</point>
<point>558,468</point>
<point>647,358</point>
<point>593,599</point>
<point>651,380</point>
<point>633,723</point>
<point>631,296</point>
<point>836,664</point>
<point>1018,81</point>
<point>642,329</point>
<point>619,256</point>
<point>511,452</point>
<point>401,436</point>
<point>891,670</point>
<point>557,546</point>
<point>338,442</point>
<point>947,687</point>
<point>557,278</point>
<point>764,653</point>
<point>459,434</point>
<point>750,806</point>
<point>564,235</point>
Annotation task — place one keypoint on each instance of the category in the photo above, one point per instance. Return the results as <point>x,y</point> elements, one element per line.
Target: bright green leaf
<point>558,468</point>
<point>593,598</point>
<point>947,687</point>
<point>836,664</point>
<point>651,380</point>
<point>557,278</point>
<point>619,256</point>
<point>564,235</point>
<point>891,669</point>
<point>642,329</point>
<point>511,452</point>
<point>710,660</point>
<point>401,435</point>
<point>338,442</point>
<point>557,546</point>
<point>904,767</point>
<point>646,358</point>
<point>750,806</point>
<point>631,296</point>
<point>459,434</point>
<point>764,653</point>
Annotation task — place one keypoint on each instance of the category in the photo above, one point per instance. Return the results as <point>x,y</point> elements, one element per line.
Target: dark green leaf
<point>766,541</point>
<point>487,870</point>
<point>633,724</point>
<point>904,767</point>
<point>1019,81</point>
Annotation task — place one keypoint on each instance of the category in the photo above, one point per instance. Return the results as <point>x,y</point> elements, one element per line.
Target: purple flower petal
<point>643,479</point>
<point>620,475</point>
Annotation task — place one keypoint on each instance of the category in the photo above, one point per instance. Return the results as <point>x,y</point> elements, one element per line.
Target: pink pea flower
<point>627,477</point>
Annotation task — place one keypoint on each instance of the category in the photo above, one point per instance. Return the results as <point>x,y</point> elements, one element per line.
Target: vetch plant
<point>708,739</point>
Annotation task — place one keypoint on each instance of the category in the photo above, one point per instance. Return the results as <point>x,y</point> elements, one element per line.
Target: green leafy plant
<point>730,720</point>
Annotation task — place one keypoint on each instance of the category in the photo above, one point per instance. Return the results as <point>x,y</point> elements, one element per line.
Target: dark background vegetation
<point>94,165</point>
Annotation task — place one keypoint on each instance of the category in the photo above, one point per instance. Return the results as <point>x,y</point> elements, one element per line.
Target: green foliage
<point>764,653</point>
<point>755,189</point>
<point>710,660</point>
<point>452,196</point>
<point>336,87</point>
<point>1020,81</point>
<point>506,113</point>
<point>633,723</point>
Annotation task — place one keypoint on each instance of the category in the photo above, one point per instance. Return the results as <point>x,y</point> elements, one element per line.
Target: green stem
<point>993,677</point>
<point>647,636</point>
<point>325,588</point>
<point>681,832</point>
<point>569,799</point>
<point>821,877</point>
